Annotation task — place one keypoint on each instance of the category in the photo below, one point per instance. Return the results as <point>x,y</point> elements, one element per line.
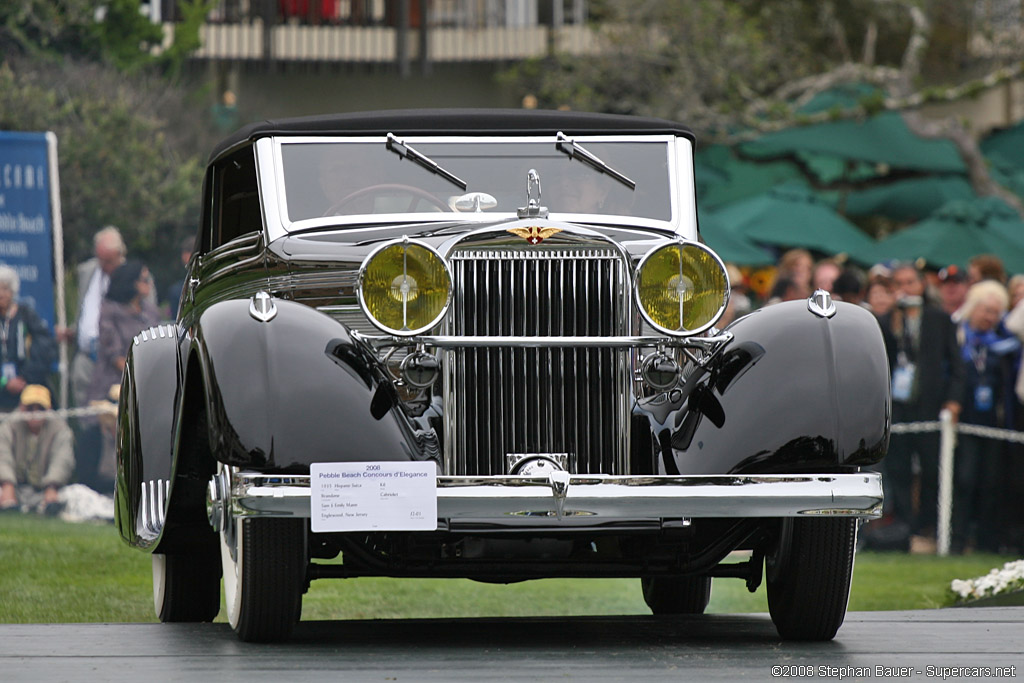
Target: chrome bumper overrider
<point>565,500</point>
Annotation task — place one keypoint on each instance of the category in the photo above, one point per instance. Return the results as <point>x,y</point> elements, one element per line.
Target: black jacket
<point>939,376</point>
<point>26,341</point>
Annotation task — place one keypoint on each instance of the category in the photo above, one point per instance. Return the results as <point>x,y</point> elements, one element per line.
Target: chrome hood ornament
<point>534,234</point>
<point>533,209</point>
<point>820,304</point>
<point>262,307</point>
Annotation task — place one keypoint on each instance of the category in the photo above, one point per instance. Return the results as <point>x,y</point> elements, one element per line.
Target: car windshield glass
<point>357,178</point>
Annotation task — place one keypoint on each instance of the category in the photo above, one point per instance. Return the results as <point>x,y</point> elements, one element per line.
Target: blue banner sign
<point>26,222</point>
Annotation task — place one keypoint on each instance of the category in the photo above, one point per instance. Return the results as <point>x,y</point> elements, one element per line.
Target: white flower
<point>961,587</point>
<point>998,581</point>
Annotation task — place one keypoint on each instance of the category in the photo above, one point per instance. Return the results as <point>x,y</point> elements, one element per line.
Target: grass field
<point>51,571</point>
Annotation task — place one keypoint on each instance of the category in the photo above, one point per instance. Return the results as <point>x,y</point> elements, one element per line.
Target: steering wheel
<point>418,196</point>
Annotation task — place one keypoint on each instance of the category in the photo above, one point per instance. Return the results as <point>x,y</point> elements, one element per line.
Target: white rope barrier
<point>948,430</point>
<point>87,411</point>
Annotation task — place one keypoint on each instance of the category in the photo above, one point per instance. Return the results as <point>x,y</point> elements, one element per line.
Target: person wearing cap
<point>953,287</point>
<point>37,456</point>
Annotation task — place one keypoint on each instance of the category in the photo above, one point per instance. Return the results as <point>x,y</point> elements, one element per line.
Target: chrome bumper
<point>565,500</point>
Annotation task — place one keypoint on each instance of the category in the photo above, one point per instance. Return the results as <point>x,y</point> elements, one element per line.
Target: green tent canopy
<point>883,138</point>
<point>1006,146</point>
<point>1006,174</point>
<point>908,200</point>
<point>731,247</point>
<point>792,215</point>
<point>954,234</point>
<point>723,178</point>
<point>1000,218</point>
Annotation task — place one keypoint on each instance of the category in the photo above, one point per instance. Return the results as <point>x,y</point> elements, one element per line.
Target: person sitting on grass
<point>37,456</point>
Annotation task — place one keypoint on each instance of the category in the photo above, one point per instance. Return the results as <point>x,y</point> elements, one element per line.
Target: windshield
<point>350,178</point>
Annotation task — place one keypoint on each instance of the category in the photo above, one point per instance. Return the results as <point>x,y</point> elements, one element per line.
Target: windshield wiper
<point>404,151</point>
<point>573,150</point>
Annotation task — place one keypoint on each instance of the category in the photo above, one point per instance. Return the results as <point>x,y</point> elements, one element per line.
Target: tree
<point>734,70</point>
<point>131,153</point>
<point>122,160</point>
<point>109,31</point>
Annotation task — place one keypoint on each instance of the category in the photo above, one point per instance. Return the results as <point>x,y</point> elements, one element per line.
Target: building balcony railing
<point>388,31</point>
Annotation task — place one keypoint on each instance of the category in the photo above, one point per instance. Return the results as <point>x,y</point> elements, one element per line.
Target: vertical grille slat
<point>544,400</point>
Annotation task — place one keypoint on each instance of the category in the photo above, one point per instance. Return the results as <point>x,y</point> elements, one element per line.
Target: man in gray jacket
<point>93,279</point>
<point>37,456</point>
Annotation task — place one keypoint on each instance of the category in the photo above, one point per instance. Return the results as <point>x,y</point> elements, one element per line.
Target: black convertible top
<point>454,121</point>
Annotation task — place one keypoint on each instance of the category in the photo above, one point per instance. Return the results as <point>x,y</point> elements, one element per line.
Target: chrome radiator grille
<point>517,400</point>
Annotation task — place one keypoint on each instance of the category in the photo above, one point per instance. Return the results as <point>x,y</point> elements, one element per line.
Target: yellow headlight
<point>681,288</point>
<point>404,287</point>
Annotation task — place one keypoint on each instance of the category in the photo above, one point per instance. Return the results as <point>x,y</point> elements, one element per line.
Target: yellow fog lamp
<point>681,288</point>
<point>404,287</point>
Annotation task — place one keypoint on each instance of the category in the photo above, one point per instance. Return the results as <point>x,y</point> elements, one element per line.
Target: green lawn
<point>58,572</point>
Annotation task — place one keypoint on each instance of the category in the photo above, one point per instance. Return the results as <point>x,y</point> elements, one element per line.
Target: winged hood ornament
<point>534,234</point>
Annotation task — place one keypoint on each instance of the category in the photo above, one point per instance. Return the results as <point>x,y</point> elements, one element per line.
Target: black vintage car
<point>482,344</point>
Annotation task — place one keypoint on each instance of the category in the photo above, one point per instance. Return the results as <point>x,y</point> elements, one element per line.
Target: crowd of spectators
<point>40,453</point>
<point>953,337</point>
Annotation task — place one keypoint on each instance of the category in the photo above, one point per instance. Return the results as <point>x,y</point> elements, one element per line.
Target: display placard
<point>373,496</point>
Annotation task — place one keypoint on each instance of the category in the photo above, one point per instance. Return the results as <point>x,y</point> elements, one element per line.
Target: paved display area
<point>948,644</point>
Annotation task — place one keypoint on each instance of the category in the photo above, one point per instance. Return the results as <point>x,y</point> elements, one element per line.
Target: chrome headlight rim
<point>406,242</point>
<point>680,244</point>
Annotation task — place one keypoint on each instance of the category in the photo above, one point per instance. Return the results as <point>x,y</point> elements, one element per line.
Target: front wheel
<point>809,575</point>
<point>677,594</point>
<point>264,563</point>
<point>186,587</point>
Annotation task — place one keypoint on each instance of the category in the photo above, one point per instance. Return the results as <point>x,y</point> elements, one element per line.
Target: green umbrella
<point>723,178</point>
<point>999,218</point>
<point>791,215</point>
<point>883,138</point>
<point>1007,174</point>
<point>908,200</point>
<point>731,247</point>
<point>1006,145</point>
<point>954,234</point>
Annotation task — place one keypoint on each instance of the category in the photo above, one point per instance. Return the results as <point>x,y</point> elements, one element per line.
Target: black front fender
<point>295,390</point>
<point>145,432</point>
<point>792,392</point>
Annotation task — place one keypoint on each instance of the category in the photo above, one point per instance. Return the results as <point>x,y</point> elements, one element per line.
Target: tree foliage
<point>123,35</point>
<point>131,148</point>
<point>733,69</point>
<point>122,159</point>
<point>45,28</point>
<point>109,31</point>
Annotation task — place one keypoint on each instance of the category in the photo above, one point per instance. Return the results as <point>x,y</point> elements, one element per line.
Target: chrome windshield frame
<point>270,164</point>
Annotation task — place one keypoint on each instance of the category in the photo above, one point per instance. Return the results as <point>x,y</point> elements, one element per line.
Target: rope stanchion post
<point>947,445</point>
<point>949,429</point>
